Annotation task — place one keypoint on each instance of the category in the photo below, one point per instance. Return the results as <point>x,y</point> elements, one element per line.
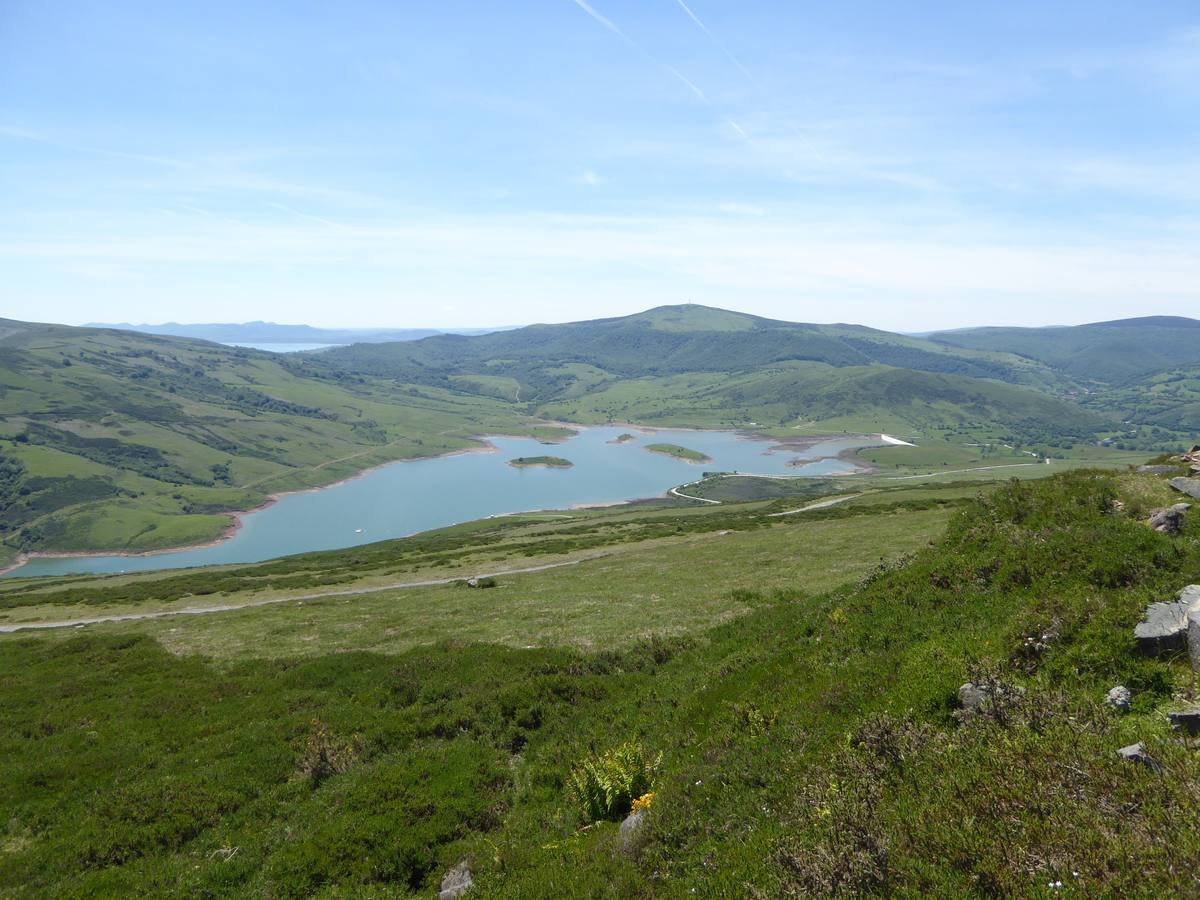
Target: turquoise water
<point>406,497</point>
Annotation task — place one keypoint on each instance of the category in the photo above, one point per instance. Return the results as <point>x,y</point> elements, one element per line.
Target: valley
<point>131,443</point>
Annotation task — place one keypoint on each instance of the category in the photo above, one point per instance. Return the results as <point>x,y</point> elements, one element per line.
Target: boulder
<point>1189,486</point>
<point>1169,520</point>
<point>473,582</point>
<point>1158,470</point>
<point>1119,698</point>
<point>1165,625</point>
<point>1186,720</point>
<point>631,826</point>
<point>1137,753</point>
<point>456,882</point>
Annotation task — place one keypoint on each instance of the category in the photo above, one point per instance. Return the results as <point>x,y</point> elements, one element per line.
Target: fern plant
<point>605,786</point>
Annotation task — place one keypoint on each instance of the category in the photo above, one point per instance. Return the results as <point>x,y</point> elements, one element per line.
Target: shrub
<point>325,755</point>
<point>605,786</point>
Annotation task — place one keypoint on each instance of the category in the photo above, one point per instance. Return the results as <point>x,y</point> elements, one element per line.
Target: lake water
<point>402,498</point>
<point>280,348</point>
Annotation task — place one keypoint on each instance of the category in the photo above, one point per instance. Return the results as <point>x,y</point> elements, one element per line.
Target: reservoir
<point>405,497</point>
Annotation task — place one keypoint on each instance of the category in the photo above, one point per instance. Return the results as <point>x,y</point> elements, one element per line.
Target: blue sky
<point>452,163</point>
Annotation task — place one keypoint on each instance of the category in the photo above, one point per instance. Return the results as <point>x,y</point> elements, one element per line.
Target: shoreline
<point>486,446</point>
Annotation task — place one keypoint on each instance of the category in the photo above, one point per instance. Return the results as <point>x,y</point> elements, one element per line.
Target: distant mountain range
<point>275,333</point>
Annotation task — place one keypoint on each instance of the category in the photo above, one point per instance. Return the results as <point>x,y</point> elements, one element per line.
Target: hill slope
<point>665,341</point>
<point>804,718</point>
<point>1109,352</point>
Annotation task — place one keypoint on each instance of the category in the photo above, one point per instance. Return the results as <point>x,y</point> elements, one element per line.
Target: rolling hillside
<point>823,397</point>
<point>1105,352</point>
<point>112,439</point>
<point>668,340</point>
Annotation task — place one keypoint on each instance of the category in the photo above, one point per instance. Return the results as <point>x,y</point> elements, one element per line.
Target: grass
<point>809,743</point>
<point>678,452</point>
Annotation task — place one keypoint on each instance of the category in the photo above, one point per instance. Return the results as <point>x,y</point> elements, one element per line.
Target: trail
<point>677,493</point>
<point>960,471</point>
<point>229,607</point>
<point>820,504</point>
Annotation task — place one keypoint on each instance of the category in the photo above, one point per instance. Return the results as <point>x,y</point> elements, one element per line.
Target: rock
<point>456,882</point>
<point>1169,520</point>
<point>1186,720</point>
<point>631,826</point>
<point>1189,486</point>
<point>971,696</point>
<point>1137,753</point>
<point>1158,470</point>
<point>1165,627</point>
<point>1119,698</point>
<point>473,582</point>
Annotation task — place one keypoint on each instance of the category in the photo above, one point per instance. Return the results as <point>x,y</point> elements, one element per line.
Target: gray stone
<point>1186,720</point>
<point>1158,470</point>
<point>971,696</point>
<point>456,882</point>
<point>1165,626</point>
<point>1137,753</point>
<point>631,826</point>
<point>1189,486</point>
<point>1119,698</point>
<point>1169,520</point>
<point>473,582</point>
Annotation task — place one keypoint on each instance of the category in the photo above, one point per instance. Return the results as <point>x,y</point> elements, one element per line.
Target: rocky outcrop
<point>456,882</point>
<point>1189,486</point>
<point>1166,627</point>
<point>1169,520</point>
<point>1158,470</point>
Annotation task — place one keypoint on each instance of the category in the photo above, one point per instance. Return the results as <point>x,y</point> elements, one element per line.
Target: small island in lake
<point>623,438</point>
<point>549,462</point>
<point>692,456</point>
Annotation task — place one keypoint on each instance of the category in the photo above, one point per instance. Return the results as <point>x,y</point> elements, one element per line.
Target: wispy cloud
<point>22,134</point>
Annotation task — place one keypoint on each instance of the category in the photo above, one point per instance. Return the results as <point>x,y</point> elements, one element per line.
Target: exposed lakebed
<point>405,497</point>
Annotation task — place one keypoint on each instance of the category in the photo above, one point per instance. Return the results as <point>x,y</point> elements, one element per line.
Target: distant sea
<point>280,348</point>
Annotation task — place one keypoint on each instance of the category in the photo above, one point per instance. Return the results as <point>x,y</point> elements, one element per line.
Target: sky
<point>468,164</point>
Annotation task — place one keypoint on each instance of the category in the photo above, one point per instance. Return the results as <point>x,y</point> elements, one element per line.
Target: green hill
<point>112,439</point>
<point>664,341</point>
<point>1108,352</point>
<point>855,398</point>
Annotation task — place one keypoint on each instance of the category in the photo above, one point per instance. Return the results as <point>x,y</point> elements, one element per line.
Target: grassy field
<point>798,679</point>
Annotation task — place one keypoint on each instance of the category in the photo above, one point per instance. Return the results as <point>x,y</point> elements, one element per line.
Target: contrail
<point>712,37</point>
<point>613,27</point>
<point>607,23</point>
<point>695,90</point>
